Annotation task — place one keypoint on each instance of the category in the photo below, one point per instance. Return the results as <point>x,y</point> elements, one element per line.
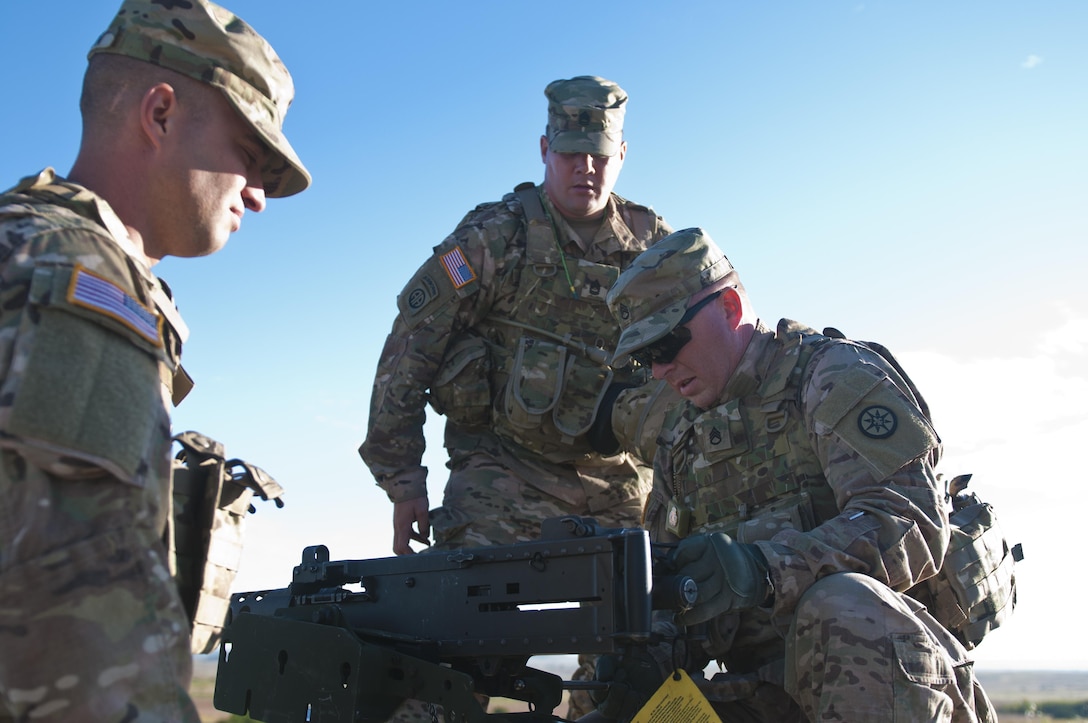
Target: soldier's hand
<point>411,522</point>
<point>731,575</point>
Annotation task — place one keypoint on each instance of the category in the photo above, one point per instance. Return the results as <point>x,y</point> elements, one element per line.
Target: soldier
<point>505,331</point>
<point>183,106</point>
<point>797,484</point>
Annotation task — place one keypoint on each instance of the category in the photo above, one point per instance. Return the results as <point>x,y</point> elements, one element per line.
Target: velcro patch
<point>457,268</point>
<point>90,291</point>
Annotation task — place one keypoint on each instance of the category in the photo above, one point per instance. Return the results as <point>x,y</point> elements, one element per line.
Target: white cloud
<point>1031,62</point>
<point>1069,338</point>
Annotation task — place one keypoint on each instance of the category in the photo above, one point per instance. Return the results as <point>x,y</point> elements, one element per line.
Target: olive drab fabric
<point>88,296</point>
<point>211,497</point>
<point>90,344</point>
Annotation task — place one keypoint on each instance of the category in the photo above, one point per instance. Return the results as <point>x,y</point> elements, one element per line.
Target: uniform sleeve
<point>449,293</point>
<point>81,357</point>
<point>874,444</point>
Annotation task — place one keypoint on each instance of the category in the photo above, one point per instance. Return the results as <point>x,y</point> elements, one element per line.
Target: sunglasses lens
<point>665,349</point>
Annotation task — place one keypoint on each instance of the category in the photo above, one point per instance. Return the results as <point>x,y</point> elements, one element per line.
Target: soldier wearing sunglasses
<point>797,487</point>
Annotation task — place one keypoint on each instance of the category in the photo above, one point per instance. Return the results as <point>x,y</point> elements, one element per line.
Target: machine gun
<point>440,627</point>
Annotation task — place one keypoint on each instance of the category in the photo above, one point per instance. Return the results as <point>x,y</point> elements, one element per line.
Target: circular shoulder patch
<point>877,422</point>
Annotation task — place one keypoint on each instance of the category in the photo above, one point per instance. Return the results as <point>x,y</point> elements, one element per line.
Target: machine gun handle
<point>674,592</point>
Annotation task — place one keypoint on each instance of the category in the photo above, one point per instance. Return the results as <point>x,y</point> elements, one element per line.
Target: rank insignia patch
<point>102,295</point>
<point>457,268</point>
<point>877,422</point>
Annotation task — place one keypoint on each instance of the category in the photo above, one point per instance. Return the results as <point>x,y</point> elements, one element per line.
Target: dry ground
<point>1002,687</point>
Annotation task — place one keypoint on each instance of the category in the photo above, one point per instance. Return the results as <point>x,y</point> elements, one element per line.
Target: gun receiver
<point>439,626</point>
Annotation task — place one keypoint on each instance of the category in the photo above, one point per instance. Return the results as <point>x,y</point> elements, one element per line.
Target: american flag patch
<point>457,268</point>
<point>101,295</point>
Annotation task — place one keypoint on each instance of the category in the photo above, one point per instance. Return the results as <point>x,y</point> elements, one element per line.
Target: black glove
<point>731,575</point>
<point>632,678</point>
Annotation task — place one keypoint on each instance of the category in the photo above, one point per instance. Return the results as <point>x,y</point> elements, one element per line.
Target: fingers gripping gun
<point>440,626</point>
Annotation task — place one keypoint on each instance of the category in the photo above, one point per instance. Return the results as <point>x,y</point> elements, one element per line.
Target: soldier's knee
<point>844,595</point>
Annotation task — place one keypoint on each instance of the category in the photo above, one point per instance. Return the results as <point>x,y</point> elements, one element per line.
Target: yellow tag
<point>678,700</point>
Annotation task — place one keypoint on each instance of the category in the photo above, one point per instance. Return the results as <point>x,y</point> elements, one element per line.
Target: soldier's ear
<point>732,304</point>
<point>543,149</point>
<point>157,109</point>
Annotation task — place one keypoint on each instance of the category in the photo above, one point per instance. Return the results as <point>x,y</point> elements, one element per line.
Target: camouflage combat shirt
<point>90,341</point>
<point>817,456</point>
<point>470,312</point>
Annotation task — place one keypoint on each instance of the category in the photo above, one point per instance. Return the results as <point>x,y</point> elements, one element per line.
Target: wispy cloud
<point>1032,61</point>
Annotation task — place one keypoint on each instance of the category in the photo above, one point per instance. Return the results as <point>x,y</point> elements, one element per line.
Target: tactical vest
<point>548,356</point>
<point>747,467</point>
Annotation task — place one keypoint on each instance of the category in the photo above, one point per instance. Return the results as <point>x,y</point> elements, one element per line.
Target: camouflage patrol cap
<point>585,115</point>
<point>201,40</point>
<point>651,296</point>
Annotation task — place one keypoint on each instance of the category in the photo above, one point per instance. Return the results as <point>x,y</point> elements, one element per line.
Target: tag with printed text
<point>678,700</point>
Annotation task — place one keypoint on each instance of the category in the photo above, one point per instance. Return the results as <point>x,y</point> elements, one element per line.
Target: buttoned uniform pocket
<point>923,671</point>
<point>462,388</point>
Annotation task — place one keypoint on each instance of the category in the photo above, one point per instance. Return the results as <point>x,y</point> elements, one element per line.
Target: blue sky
<point>915,173</point>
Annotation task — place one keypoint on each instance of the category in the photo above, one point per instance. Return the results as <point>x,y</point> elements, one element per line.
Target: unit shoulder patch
<point>877,421</point>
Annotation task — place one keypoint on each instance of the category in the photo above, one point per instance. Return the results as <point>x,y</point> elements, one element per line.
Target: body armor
<point>546,357</point>
<point>747,467</point>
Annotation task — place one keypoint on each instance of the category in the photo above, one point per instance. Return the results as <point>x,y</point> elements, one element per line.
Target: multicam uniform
<point>505,326</point>
<point>821,457</point>
<point>91,625</point>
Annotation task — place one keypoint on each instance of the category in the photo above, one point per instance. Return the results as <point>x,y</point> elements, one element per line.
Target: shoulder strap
<point>541,250</point>
<point>642,220</point>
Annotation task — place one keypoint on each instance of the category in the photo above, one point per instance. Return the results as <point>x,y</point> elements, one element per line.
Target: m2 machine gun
<point>350,639</point>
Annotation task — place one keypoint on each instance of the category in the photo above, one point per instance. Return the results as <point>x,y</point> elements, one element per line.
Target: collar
<point>612,235</point>
<point>753,365</point>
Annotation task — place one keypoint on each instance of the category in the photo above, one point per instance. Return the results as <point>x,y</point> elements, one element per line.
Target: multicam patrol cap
<point>651,296</point>
<point>209,43</point>
<point>585,115</point>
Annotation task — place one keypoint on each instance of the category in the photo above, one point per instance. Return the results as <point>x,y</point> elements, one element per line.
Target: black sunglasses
<point>665,349</point>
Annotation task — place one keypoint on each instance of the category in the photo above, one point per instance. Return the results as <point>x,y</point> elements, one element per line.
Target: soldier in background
<point>505,331</point>
<point>797,485</point>
<point>183,106</point>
